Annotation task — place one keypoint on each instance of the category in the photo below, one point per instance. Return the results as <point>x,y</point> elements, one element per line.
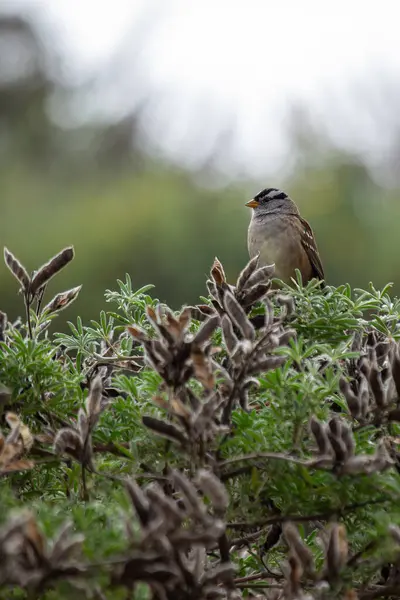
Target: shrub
<point>243,447</point>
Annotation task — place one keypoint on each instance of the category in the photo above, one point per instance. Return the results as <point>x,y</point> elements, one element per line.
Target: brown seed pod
<point>17,269</point>
<point>51,268</point>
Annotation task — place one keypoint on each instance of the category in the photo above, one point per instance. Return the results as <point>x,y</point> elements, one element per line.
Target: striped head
<point>272,200</point>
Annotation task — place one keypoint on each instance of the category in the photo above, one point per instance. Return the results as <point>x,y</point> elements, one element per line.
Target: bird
<point>282,237</point>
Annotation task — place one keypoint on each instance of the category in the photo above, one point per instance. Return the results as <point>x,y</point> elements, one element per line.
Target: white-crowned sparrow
<point>283,237</point>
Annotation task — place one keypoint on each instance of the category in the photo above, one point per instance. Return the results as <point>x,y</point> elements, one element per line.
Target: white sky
<point>206,64</point>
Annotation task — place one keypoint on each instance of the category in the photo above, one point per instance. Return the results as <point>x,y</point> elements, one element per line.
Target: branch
<point>313,517</point>
<point>380,591</point>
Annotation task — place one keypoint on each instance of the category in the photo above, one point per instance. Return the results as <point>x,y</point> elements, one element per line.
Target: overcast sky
<point>209,64</point>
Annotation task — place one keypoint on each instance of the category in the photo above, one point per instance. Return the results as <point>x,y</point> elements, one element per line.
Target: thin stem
<point>304,518</point>
<point>40,299</point>
<point>258,586</point>
<point>28,313</point>
<point>380,591</point>
<point>273,455</point>
<point>254,577</point>
<point>248,538</point>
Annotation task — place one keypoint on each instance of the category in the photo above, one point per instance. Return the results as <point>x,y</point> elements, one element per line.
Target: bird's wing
<point>310,246</point>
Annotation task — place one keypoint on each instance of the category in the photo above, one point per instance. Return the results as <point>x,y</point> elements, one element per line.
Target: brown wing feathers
<point>310,246</point>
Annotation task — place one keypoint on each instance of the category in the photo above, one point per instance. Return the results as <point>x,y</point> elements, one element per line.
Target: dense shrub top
<point>243,447</point>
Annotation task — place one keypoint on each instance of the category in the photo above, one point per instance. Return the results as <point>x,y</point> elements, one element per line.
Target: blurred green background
<point>127,210</point>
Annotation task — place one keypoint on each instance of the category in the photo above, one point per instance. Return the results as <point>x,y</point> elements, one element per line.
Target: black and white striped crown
<point>270,194</point>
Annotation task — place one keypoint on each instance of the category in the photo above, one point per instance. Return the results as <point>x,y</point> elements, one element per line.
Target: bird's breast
<point>277,244</point>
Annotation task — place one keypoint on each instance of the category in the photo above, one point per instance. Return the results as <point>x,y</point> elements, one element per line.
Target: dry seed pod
<point>364,366</point>
<point>175,327</point>
<point>190,497</point>
<point>66,545</point>
<point>14,437</point>
<point>68,441</point>
<point>167,505</point>
<point>266,364</point>
<point>372,339</point>
<point>151,315</point>
<point>335,427</point>
<point>160,351</point>
<point>139,500</point>
<point>353,402</point>
<point>178,408</point>
<point>356,343</point>
<point>10,449</point>
<point>382,350</point>
<point>339,448</point>
<point>51,268</point>
<point>93,402</point>
<point>286,302</point>
<point>337,551</point>
<point>298,547</point>
<point>321,437</point>
<point>377,387</point>
<point>202,368</point>
<point>260,275</point>
<point>244,399</point>
<point>247,272</point>
<point>17,269</point>
<point>254,294</point>
<point>269,313</point>
<point>62,300</point>
<point>348,439</point>
<point>212,289</point>
<point>238,316</point>
<point>358,464</point>
<point>186,539</point>
<point>167,430</point>
<point>14,421</point>
<point>184,318</point>
<point>214,489</point>
<point>294,577</point>
<point>217,272</point>
<point>363,395</point>
<point>192,399</point>
<point>286,336</point>
<point>229,336</point>
<point>206,330</point>
<point>83,424</point>
<point>137,332</point>
<point>34,535</point>
<point>204,309</point>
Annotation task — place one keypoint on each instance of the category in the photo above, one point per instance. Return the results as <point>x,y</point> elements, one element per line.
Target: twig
<point>253,577</point>
<point>258,586</point>
<point>304,518</point>
<point>380,591</point>
<point>270,455</point>
<point>248,538</point>
<point>28,313</point>
<point>236,472</point>
<point>40,298</point>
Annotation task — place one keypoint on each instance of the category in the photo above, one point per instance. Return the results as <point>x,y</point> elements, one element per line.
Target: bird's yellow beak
<point>252,203</point>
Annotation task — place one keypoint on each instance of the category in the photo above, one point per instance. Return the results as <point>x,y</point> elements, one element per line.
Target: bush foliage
<point>243,447</point>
